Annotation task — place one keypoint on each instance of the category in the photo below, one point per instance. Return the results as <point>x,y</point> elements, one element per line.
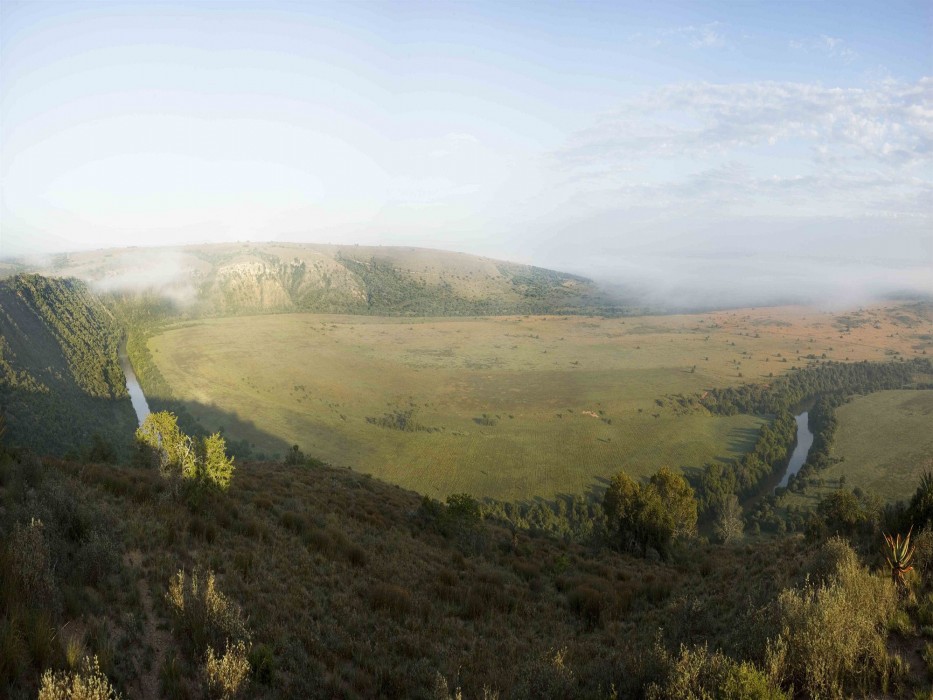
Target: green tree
<point>651,514</point>
<point>180,456</point>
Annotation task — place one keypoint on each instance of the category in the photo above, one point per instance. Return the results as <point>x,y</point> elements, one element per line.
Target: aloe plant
<point>899,555</point>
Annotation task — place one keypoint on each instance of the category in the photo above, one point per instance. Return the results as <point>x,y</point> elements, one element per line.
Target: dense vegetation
<point>827,385</point>
<point>60,378</point>
<point>840,378</point>
<point>317,582</point>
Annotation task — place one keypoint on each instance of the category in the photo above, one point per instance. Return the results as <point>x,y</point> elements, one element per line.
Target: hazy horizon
<point>730,151</point>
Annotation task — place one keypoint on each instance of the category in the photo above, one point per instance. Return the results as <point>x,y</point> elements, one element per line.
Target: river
<point>137,396</point>
<point>802,449</point>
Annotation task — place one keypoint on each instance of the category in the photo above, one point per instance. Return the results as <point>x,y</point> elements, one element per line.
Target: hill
<point>343,586</point>
<point>229,279</point>
<point>60,378</point>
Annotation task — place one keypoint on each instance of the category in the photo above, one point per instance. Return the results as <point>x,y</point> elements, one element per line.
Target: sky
<point>755,147</point>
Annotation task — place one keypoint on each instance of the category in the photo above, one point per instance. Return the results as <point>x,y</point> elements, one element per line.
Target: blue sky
<point>620,139</point>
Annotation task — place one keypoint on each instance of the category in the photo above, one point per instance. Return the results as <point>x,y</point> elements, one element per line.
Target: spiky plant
<point>899,555</point>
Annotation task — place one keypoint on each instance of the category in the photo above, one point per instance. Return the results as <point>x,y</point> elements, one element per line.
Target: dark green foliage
<point>100,451</point>
<point>295,456</point>
<point>60,376</point>
<point>792,389</point>
<point>400,420</point>
<point>826,385</point>
<point>576,518</point>
<point>653,514</point>
<point>920,510</point>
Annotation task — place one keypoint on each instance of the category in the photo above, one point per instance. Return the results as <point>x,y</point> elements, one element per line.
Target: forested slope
<point>60,377</point>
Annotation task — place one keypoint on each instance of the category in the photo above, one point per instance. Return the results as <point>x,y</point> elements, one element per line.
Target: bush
<point>262,663</point>
<point>204,616</point>
<point>30,563</point>
<point>227,676</point>
<point>86,684</point>
<point>394,599</point>
<point>833,635</point>
<point>697,674</point>
<point>182,457</point>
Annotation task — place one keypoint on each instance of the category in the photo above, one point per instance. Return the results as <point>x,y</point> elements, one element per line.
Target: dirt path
<point>160,640</point>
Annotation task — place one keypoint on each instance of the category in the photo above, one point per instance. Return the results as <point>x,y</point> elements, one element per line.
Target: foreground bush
<point>695,674</point>
<point>86,684</point>
<point>204,616</point>
<point>227,676</point>
<point>833,634</point>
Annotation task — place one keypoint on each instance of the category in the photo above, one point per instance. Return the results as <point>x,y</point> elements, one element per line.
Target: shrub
<point>180,456</point>
<point>548,677</point>
<point>295,456</point>
<point>227,676</point>
<point>729,523</point>
<point>31,566</point>
<point>204,616</point>
<point>262,663</point>
<point>650,515</point>
<point>835,554</point>
<point>86,684</point>
<point>697,674</point>
<point>833,635</point>
<point>394,599</point>
<point>588,603</point>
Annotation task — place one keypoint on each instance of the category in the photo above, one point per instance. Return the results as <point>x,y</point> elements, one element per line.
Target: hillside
<point>343,586</point>
<point>242,278</point>
<point>60,378</point>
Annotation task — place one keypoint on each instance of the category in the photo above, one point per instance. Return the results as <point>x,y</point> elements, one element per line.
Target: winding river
<point>137,397</point>
<point>801,450</point>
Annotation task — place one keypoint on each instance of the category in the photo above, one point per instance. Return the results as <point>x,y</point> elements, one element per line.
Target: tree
<point>180,456</point>
<point>729,523</point>
<point>680,504</point>
<point>651,514</point>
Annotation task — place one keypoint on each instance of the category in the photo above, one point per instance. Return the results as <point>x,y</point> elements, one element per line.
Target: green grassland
<point>314,380</point>
<point>569,400</point>
<point>885,441</point>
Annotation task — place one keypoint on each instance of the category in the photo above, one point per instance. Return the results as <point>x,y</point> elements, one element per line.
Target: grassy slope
<point>886,442</point>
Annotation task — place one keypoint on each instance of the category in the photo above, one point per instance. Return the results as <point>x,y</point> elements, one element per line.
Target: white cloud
<point>830,46</point>
<point>767,170</point>
<point>712,35</point>
<point>891,123</point>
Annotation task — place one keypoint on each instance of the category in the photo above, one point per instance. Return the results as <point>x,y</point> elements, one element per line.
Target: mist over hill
<point>245,278</point>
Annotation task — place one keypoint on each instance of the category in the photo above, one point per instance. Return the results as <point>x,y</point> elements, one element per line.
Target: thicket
<point>827,385</point>
<point>791,390</point>
<point>60,378</point>
<point>743,477</point>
